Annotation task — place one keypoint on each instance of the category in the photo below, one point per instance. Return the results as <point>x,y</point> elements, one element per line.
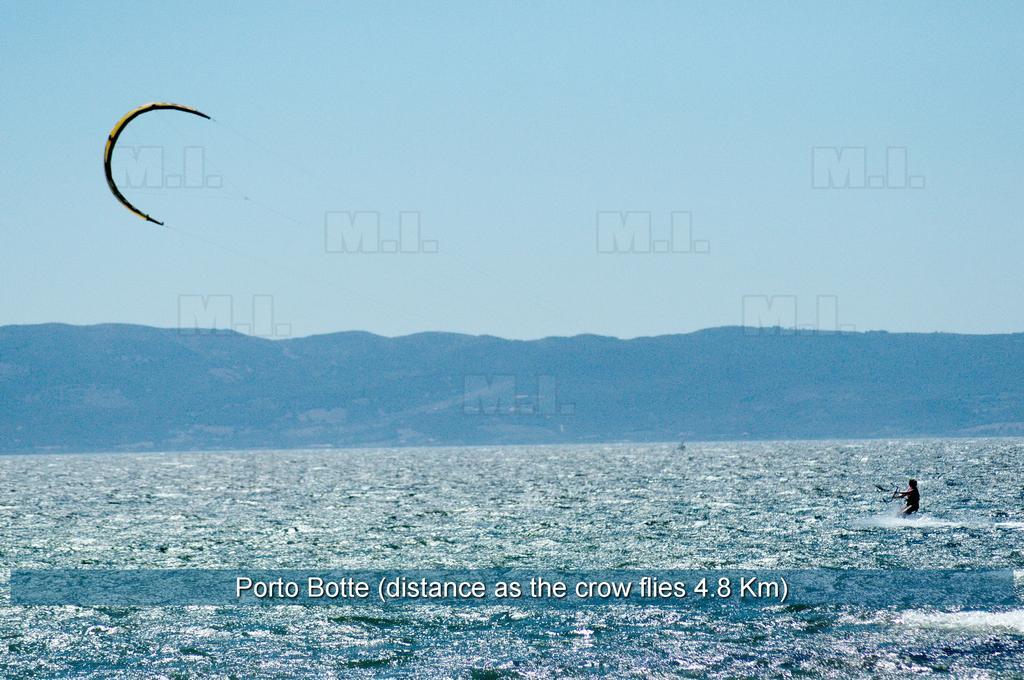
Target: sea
<point>638,508</point>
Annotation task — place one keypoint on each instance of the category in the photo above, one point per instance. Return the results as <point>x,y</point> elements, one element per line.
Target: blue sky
<point>507,128</point>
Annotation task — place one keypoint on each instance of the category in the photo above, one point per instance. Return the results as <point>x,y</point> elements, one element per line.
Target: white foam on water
<point>901,522</point>
<point>1010,525</point>
<point>1012,620</point>
<point>928,522</point>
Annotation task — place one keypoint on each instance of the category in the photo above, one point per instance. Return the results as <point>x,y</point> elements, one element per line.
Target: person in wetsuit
<point>912,495</point>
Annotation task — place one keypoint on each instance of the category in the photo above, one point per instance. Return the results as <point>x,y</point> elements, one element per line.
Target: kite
<point>112,140</point>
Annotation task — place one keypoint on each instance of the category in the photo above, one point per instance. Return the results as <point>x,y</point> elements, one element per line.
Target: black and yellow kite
<point>112,140</point>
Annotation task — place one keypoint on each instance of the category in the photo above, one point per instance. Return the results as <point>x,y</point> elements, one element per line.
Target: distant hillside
<point>117,386</point>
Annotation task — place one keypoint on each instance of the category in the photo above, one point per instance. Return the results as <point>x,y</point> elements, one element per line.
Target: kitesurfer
<point>912,496</point>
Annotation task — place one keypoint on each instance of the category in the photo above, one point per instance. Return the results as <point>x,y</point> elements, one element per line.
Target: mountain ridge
<point>122,386</point>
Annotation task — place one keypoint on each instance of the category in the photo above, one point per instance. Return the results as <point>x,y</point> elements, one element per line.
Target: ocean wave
<point>967,620</point>
<point>901,522</point>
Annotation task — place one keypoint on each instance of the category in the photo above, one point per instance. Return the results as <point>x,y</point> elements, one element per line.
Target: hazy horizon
<point>767,330</point>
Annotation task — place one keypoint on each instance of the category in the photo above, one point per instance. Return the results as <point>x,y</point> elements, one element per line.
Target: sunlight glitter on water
<point>629,506</point>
